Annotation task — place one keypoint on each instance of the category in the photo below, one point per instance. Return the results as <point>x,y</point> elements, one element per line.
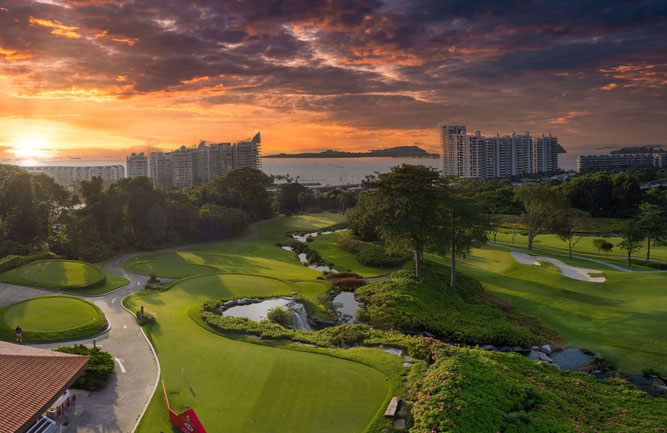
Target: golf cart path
<point>118,407</point>
<point>569,271</point>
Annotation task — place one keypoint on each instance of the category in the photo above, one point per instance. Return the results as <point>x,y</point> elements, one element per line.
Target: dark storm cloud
<point>351,61</point>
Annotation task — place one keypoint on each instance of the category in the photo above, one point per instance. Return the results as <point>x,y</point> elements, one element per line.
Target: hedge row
<point>11,262</point>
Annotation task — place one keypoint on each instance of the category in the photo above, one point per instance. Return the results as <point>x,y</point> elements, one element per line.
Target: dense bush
<point>369,254</point>
<point>337,275</point>
<point>279,315</point>
<point>466,315</point>
<point>470,391</point>
<point>348,284</point>
<point>99,367</point>
<point>337,336</point>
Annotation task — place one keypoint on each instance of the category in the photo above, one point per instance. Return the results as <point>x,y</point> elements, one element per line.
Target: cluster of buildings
<point>180,168</point>
<point>194,165</point>
<point>68,174</point>
<point>478,156</point>
<point>620,161</point>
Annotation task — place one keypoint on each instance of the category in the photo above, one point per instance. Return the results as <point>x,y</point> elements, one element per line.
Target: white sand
<point>567,270</point>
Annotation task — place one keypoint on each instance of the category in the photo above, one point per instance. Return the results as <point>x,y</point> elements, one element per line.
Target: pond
<point>346,306</point>
<point>571,359</point>
<point>258,311</point>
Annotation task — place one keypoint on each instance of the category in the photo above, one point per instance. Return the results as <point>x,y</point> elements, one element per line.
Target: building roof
<point>31,380</point>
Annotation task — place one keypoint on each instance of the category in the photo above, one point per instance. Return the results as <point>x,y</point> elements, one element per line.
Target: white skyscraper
<point>476,156</point>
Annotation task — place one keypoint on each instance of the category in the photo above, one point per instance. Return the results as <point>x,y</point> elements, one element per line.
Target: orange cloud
<point>564,120</point>
<point>58,28</point>
<point>609,86</point>
<point>11,55</point>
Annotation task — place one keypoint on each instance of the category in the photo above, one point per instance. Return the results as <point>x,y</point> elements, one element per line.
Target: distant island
<point>652,148</point>
<point>395,152</point>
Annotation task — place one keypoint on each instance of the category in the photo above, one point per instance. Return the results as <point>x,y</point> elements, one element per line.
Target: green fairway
<point>258,256</point>
<point>624,318</point>
<point>51,318</point>
<point>236,386</point>
<point>585,245</point>
<point>326,246</point>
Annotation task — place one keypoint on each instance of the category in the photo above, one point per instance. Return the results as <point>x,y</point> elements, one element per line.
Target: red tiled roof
<point>31,380</point>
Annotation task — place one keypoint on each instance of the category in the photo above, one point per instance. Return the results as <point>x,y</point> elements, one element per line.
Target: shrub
<point>470,391</point>
<point>153,278</point>
<point>655,265</point>
<point>648,372</point>
<point>466,315</point>
<point>335,276</point>
<point>369,254</point>
<point>349,284</point>
<point>99,368</point>
<point>145,319</point>
<point>279,315</point>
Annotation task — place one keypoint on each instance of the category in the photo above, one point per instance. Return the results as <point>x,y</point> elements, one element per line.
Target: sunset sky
<point>96,78</point>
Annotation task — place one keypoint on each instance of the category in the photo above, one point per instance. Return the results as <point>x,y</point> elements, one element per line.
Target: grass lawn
<point>585,245</point>
<point>51,318</point>
<point>258,256</point>
<point>64,275</point>
<point>624,318</point>
<point>55,274</point>
<point>342,260</point>
<point>237,386</point>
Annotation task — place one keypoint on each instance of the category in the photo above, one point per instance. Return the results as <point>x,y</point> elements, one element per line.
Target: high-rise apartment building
<point>188,166</point>
<point>137,165</point>
<point>477,156</point>
<point>620,161</point>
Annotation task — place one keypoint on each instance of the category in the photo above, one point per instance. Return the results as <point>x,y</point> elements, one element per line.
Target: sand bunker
<point>567,270</point>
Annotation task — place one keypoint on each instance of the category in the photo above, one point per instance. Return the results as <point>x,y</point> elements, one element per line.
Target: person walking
<point>19,337</point>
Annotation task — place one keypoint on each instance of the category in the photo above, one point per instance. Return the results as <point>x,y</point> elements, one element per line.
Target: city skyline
<point>92,78</point>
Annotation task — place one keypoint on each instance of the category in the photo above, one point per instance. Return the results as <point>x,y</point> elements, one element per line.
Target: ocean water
<point>337,171</point>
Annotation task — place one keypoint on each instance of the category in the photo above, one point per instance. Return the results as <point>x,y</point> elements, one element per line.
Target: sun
<point>29,149</point>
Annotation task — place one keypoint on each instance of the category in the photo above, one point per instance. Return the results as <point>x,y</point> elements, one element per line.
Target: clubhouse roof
<point>31,380</point>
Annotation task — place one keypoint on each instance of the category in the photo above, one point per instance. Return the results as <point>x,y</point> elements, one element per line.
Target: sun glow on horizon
<point>30,149</point>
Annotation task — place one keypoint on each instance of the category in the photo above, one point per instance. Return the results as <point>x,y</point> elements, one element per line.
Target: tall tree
<point>466,225</point>
<point>569,223</point>
<point>633,236</point>
<point>540,206</point>
<point>403,202</point>
<point>653,221</point>
<point>603,245</point>
<point>287,197</point>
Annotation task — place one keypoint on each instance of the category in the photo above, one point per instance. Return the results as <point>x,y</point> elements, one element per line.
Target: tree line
<point>37,214</point>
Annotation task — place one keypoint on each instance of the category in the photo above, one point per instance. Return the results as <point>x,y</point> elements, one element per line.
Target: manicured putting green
<point>52,318</point>
<point>236,386</point>
<point>55,274</point>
